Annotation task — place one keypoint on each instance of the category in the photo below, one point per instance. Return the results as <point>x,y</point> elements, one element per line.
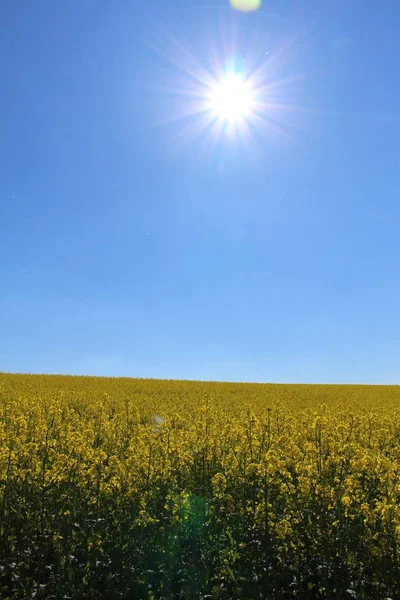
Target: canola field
<point>147,489</point>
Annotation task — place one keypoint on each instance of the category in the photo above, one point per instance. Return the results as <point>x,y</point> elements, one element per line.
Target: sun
<point>231,98</point>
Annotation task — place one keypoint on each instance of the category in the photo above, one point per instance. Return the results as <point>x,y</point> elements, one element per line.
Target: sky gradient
<point>140,238</point>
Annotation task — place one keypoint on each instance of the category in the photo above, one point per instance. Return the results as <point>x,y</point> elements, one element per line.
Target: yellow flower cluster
<point>300,464</point>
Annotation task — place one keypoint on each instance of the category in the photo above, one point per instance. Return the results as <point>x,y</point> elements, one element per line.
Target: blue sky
<point>140,238</point>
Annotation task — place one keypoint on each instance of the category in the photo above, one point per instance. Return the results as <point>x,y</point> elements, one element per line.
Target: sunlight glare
<point>231,98</point>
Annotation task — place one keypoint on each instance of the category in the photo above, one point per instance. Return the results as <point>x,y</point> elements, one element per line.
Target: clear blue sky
<point>135,240</point>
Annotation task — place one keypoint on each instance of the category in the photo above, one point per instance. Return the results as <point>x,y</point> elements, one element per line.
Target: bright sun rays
<point>221,91</point>
<point>231,98</point>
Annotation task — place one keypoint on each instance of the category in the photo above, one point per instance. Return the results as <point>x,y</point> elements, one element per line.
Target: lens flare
<point>246,5</point>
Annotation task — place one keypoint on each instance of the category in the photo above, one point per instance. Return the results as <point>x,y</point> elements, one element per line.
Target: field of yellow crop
<point>147,489</point>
